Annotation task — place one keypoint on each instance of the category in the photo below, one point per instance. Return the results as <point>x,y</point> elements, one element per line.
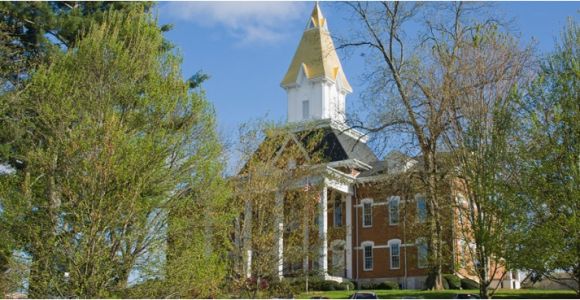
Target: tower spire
<point>316,18</point>
<point>316,62</point>
<point>316,54</point>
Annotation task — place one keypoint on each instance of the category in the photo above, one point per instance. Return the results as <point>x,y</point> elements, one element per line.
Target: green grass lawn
<point>500,294</point>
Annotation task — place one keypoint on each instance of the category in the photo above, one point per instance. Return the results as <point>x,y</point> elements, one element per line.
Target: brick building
<point>371,223</point>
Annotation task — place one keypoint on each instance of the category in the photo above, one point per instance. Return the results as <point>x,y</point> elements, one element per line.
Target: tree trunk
<point>576,277</point>
<point>484,280</point>
<point>435,220</point>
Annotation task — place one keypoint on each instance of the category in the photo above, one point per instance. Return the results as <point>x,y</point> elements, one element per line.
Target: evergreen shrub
<point>453,281</point>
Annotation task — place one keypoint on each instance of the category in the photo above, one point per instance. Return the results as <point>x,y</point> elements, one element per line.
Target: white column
<point>249,263</point>
<point>280,233</point>
<point>323,232</point>
<point>247,238</point>
<point>349,236</point>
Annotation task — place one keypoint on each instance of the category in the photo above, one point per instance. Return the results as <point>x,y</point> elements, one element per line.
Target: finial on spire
<point>316,18</point>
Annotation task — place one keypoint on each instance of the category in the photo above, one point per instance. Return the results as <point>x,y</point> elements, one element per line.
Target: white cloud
<point>246,21</point>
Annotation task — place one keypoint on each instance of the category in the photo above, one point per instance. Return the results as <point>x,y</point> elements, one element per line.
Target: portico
<point>316,89</point>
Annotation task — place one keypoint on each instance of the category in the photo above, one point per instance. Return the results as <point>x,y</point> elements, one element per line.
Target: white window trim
<point>363,202</point>
<point>398,200</point>
<point>362,246</point>
<point>374,204</point>
<point>389,243</point>
<point>419,242</point>
<point>417,208</point>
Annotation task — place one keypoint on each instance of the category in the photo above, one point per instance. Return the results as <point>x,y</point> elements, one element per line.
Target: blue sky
<point>246,47</point>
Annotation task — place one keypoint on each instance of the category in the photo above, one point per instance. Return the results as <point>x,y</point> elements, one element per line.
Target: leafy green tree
<point>5,257</point>
<point>30,31</point>
<point>108,141</point>
<point>483,122</point>
<point>277,194</point>
<point>549,240</point>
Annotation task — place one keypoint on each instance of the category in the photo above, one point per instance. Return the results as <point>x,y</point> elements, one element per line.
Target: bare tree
<point>417,80</point>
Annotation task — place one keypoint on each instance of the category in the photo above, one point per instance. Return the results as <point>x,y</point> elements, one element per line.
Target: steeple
<point>316,18</point>
<point>316,62</point>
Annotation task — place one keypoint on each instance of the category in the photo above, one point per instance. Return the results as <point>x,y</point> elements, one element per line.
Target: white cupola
<point>315,82</point>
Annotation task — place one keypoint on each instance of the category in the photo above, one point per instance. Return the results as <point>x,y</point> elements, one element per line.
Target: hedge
<point>453,281</point>
<point>385,285</point>
<point>468,284</point>
<point>450,281</point>
<point>347,286</point>
<point>325,285</point>
<point>388,285</point>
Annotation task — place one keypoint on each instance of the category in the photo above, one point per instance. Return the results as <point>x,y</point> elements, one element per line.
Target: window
<point>394,211</point>
<point>305,110</point>
<point>421,209</point>
<point>368,257</point>
<point>395,247</point>
<point>292,164</point>
<point>337,211</point>
<point>422,252</point>
<point>367,214</point>
<point>463,253</point>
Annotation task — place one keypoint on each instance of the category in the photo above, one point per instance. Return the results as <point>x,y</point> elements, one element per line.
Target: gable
<point>312,146</point>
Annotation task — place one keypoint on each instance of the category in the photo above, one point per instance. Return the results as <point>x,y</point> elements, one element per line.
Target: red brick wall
<point>380,233</point>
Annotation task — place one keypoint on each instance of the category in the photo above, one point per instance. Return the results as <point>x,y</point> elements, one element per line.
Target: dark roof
<point>378,167</point>
<point>332,145</point>
<point>397,162</point>
<point>337,146</point>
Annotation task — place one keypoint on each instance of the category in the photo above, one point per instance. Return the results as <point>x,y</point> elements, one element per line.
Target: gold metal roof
<point>316,54</point>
